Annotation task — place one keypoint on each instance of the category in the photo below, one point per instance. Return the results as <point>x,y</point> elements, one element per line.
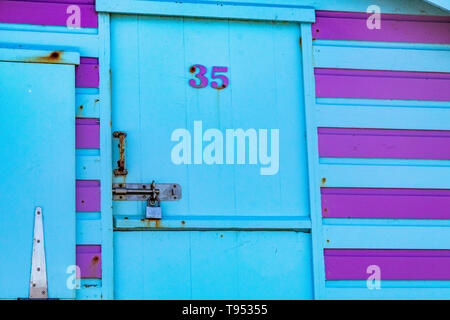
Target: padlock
<point>153,209</point>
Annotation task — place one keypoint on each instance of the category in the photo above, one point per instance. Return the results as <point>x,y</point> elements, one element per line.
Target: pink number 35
<point>202,81</point>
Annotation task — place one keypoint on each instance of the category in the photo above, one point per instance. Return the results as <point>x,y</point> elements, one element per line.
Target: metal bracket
<point>38,279</point>
<point>121,171</point>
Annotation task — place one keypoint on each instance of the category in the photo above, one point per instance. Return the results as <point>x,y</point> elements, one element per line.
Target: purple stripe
<point>45,13</point>
<point>87,133</point>
<point>395,28</point>
<point>385,16</point>
<point>385,132</point>
<point>88,60</point>
<point>363,84</point>
<point>383,73</point>
<point>384,143</point>
<point>352,264</point>
<point>89,260</point>
<point>86,73</point>
<point>387,252</point>
<point>385,203</point>
<point>88,196</point>
<point>64,1</point>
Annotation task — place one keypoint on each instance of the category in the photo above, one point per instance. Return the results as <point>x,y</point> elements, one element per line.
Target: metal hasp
<point>153,193</point>
<point>38,279</point>
<point>121,171</point>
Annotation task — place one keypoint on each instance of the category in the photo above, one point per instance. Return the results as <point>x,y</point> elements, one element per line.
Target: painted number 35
<point>202,81</point>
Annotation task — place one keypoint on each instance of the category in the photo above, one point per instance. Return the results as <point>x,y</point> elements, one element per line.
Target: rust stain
<point>93,266</point>
<point>300,41</point>
<point>183,223</point>
<point>89,285</point>
<point>95,260</point>
<point>192,69</point>
<point>324,180</point>
<point>53,57</point>
<point>147,222</point>
<point>120,170</point>
<point>151,223</point>
<point>80,110</point>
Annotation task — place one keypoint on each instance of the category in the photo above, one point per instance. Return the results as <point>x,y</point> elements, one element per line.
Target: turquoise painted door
<point>38,170</point>
<point>215,106</point>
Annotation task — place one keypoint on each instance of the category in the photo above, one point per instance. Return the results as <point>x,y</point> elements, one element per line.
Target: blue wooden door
<point>183,90</point>
<point>38,170</point>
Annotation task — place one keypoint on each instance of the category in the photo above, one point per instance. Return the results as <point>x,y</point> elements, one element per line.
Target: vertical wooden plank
<point>313,160</point>
<point>105,158</point>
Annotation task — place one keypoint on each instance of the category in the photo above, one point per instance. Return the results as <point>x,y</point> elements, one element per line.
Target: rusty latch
<point>145,191</point>
<point>121,171</point>
<point>153,193</point>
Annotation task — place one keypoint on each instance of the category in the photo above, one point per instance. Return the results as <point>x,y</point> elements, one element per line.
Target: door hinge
<point>153,193</point>
<point>38,279</point>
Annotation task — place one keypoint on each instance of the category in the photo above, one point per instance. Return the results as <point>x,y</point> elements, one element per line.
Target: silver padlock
<point>153,209</point>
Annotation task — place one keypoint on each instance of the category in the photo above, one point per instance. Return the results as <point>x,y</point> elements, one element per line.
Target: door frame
<point>303,15</point>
